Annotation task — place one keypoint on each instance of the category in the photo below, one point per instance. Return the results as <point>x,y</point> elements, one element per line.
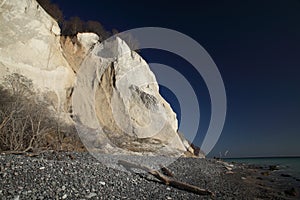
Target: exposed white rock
<point>115,89</point>
<point>127,105</point>
<point>88,40</point>
<point>56,30</point>
<point>30,45</point>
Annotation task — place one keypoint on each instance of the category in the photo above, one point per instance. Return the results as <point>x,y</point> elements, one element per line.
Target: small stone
<point>291,192</point>
<point>92,194</point>
<point>168,188</point>
<point>167,197</point>
<point>102,183</point>
<point>285,175</point>
<point>63,187</point>
<point>228,168</point>
<point>11,191</point>
<point>42,168</point>
<point>64,196</point>
<point>273,167</point>
<point>243,178</point>
<point>17,197</point>
<point>265,173</point>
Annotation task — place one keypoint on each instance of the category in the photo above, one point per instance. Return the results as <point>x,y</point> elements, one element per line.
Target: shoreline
<point>70,175</point>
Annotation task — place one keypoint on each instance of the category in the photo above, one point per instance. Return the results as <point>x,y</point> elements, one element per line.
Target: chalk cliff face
<point>132,114</point>
<point>108,89</point>
<point>30,45</point>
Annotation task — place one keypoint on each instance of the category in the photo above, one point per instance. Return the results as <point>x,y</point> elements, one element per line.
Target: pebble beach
<point>67,175</point>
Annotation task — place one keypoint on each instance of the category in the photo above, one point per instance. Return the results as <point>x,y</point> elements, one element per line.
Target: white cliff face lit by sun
<point>126,104</point>
<point>30,45</point>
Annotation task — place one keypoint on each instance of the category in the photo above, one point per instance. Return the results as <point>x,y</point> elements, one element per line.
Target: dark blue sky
<point>256,46</point>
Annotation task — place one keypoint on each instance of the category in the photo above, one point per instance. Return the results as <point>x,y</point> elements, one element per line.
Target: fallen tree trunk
<point>167,180</point>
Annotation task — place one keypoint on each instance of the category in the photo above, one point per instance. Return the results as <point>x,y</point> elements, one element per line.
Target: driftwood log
<point>167,180</point>
<point>166,171</point>
<point>25,153</point>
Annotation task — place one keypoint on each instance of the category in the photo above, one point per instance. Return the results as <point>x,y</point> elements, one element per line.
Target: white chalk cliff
<point>108,89</point>
<point>30,45</point>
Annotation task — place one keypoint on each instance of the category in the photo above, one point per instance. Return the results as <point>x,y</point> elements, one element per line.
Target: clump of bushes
<point>52,9</point>
<point>27,124</point>
<point>76,25</point>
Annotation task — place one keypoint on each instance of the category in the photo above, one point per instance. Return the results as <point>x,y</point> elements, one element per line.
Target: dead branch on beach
<point>166,171</point>
<point>167,180</point>
<point>25,153</point>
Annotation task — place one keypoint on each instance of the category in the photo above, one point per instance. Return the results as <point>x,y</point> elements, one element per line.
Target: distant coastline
<point>260,157</point>
<point>286,165</point>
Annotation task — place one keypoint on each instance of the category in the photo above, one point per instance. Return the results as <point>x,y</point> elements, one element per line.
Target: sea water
<point>287,165</point>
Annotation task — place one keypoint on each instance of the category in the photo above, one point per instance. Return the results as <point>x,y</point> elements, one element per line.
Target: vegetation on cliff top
<point>73,25</point>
